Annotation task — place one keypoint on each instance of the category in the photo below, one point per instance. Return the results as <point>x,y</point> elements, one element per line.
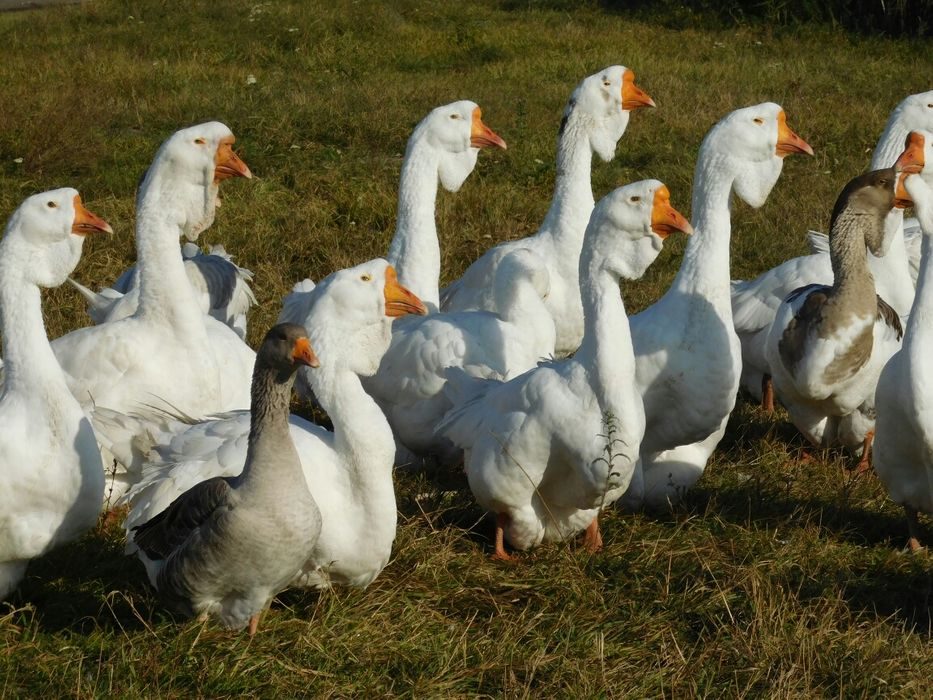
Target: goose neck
<point>28,360</point>
<point>606,351</point>
<point>415,250</point>
<point>164,290</point>
<point>269,446</point>
<point>705,266</point>
<point>572,203</point>
<point>919,334</point>
<point>851,276</point>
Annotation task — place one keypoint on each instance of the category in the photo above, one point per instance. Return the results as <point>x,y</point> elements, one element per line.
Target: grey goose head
<point>867,199</point>
<point>285,348</point>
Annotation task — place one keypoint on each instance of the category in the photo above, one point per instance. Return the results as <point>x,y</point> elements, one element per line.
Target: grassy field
<point>774,578</point>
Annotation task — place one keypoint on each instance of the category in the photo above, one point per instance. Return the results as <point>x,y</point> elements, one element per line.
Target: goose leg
<point>502,520</point>
<point>864,463</point>
<point>253,624</point>
<point>767,393</point>
<point>593,539</point>
<point>913,527</point>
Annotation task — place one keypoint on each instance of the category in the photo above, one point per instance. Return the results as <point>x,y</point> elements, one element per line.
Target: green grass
<point>775,577</point>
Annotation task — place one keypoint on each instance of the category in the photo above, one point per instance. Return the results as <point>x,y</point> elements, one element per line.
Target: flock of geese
<point>526,370</point>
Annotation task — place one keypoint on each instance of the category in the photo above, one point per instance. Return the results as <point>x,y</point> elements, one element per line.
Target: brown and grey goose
<point>828,344</point>
<point>226,546</point>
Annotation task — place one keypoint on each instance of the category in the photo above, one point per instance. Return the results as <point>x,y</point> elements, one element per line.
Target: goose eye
<point>930,105</point>
<point>759,120</point>
<point>454,116</point>
<point>883,183</point>
<point>606,83</point>
<point>635,198</point>
<point>51,205</point>
<point>200,141</point>
<point>366,277</point>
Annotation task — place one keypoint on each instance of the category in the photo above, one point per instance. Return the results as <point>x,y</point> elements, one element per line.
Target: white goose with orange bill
<point>547,450</point>
<point>595,118</point>
<point>348,471</point>
<point>51,475</point>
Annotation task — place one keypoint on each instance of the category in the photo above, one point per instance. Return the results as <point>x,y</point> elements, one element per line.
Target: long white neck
<point>894,266</point>
<point>606,350</point>
<point>919,334</point>
<point>572,202</point>
<point>165,294</point>
<point>28,360</point>
<point>704,271</point>
<point>362,436</point>
<point>415,250</point>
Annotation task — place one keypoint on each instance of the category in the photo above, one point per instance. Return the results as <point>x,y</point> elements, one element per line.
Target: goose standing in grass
<point>226,546</point>
<point>51,476</point>
<point>687,354</point>
<point>443,147</point>
<point>410,381</point>
<point>903,446</point>
<point>755,302</point>
<point>221,287</point>
<point>348,471</point>
<point>828,344</point>
<point>547,450</point>
<point>168,353</point>
<point>594,120</point>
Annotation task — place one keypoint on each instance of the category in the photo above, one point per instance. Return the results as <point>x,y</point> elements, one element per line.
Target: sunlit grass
<point>774,578</point>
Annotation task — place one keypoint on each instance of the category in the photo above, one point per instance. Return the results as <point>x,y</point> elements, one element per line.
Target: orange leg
<point>913,527</point>
<point>767,394</point>
<point>864,464</point>
<point>502,520</point>
<point>253,624</point>
<point>593,539</point>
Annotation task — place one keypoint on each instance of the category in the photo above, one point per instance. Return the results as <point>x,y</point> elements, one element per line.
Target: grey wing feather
<point>890,317</point>
<point>165,532</point>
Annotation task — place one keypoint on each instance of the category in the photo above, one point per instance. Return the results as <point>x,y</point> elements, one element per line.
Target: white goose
<point>51,476</point>
<point>687,354</point>
<point>228,545</point>
<point>168,353</point>
<point>349,470</point>
<point>828,344</point>
<point>547,450</point>
<point>903,443</point>
<point>410,381</point>
<point>442,148</point>
<point>594,120</point>
<point>754,302</point>
<point>221,287</point>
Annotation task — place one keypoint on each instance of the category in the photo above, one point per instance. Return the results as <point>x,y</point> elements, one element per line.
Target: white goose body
<point>221,289</point>
<point>168,354</point>
<point>687,354</point>
<point>51,475</point>
<point>755,301</point>
<point>594,120</point>
<point>903,445</point>
<point>547,450</point>
<point>827,345</point>
<point>348,471</point>
<point>410,381</point>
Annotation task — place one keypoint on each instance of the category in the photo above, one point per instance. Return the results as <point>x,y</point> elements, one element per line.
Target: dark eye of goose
<point>200,141</point>
<point>759,120</point>
<point>366,277</point>
<point>883,182</point>
<point>635,198</point>
<point>51,205</point>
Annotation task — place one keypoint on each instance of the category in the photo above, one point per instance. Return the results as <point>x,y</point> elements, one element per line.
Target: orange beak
<point>481,135</point>
<point>633,97</point>
<point>664,218</point>
<point>788,142</point>
<point>902,198</point>
<point>86,222</point>
<point>400,301</point>
<point>228,164</point>
<point>303,354</point>
<point>911,160</point>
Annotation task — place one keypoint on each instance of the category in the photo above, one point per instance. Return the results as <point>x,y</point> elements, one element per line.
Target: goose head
<point>915,112</point>
<point>457,132</point>
<point>285,348</point>
<point>867,200</point>
<point>187,170</point>
<point>350,316</point>
<point>47,232</point>
<point>602,102</point>
<point>754,140</point>
<point>629,225</point>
